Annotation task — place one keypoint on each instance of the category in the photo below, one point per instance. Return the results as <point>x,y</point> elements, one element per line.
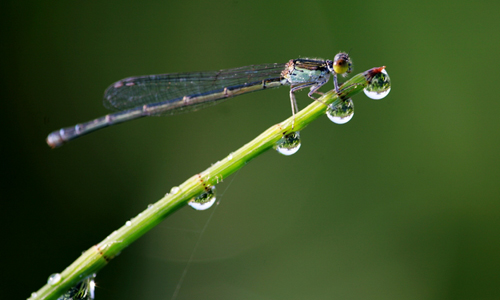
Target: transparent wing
<point>137,91</point>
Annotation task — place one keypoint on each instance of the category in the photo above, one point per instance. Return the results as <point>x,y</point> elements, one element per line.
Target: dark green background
<point>403,202</point>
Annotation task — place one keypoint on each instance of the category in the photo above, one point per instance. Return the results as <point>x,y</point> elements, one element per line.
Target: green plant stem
<point>97,256</point>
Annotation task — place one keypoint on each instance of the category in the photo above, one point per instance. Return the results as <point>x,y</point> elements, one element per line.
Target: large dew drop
<point>341,113</point>
<point>289,144</point>
<point>379,87</point>
<point>84,290</point>
<point>203,201</point>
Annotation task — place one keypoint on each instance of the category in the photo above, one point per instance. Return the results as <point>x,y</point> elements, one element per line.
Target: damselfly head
<point>342,64</point>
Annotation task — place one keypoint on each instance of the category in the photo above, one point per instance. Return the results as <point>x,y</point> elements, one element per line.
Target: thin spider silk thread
<point>190,260</point>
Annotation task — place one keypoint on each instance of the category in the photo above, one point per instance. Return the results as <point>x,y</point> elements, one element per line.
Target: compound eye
<point>342,63</point>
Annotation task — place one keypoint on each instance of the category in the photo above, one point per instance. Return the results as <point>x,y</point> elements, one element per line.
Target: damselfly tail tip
<point>54,140</point>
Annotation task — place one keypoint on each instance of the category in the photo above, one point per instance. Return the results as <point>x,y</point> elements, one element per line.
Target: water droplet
<point>174,190</point>
<point>91,290</point>
<point>289,144</point>
<point>54,279</point>
<point>341,113</point>
<point>111,234</point>
<point>230,156</point>
<point>83,290</point>
<point>128,223</point>
<point>203,201</point>
<point>150,206</point>
<point>379,87</point>
<point>33,295</point>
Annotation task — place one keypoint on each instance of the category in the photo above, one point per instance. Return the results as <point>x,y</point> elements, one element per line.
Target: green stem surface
<point>97,256</point>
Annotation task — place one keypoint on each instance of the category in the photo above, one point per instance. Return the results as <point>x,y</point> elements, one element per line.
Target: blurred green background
<point>403,202</point>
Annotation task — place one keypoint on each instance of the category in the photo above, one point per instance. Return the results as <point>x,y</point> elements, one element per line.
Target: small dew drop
<point>379,87</point>
<point>33,295</point>
<point>203,201</point>
<point>150,206</point>
<point>289,144</point>
<point>112,233</point>
<point>54,279</point>
<point>128,223</point>
<point>174,190</point>
<point>230,156</point>
<point>341,113</point>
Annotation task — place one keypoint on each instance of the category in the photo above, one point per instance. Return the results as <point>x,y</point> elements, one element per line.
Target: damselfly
<point>165,94</point>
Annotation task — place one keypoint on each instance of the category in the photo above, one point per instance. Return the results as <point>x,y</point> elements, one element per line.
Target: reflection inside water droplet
<point>204,201</point>
<point>289,144</point>
<point>83,290</point>
<point>379,87</point>
<point>342,112</point>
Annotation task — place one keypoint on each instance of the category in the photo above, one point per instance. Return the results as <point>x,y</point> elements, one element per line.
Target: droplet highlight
<point>204,201</point>
<point>342,112</point>
<point>128,223</point>
<point>174,190</point>
<point>289,144</point>
<point>379,87</point>
<point>54,279</point>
